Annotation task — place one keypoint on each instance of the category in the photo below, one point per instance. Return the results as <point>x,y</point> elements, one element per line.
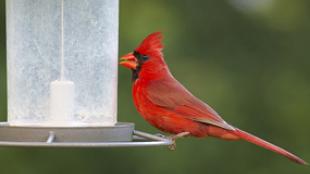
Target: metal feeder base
<point>120,135</point>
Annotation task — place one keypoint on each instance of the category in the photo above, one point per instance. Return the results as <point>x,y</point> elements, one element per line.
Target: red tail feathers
<point>260,142</point>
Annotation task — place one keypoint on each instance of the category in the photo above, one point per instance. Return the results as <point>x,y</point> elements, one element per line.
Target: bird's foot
<point>173,138</point>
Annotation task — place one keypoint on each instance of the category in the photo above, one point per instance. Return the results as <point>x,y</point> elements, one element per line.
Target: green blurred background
<point>248,58</point>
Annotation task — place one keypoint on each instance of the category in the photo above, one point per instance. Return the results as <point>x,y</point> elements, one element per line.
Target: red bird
<point>166,104</point>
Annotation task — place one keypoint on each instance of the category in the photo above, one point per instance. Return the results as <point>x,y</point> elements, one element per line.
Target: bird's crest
<point>152,44</point>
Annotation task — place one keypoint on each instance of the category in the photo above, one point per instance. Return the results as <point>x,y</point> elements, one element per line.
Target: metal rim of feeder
<point>51,105</point>
<point>121,135</point>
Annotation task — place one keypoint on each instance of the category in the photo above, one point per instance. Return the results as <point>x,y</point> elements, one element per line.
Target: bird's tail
<point>260,142</point>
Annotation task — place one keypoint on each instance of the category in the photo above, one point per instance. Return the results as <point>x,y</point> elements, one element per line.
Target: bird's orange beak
<point>129,61</point>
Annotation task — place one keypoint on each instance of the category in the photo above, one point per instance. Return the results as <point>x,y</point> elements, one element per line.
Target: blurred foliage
<point>249,60</point>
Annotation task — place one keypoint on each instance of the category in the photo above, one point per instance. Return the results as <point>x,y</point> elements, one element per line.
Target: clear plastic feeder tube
<point>51,87</point>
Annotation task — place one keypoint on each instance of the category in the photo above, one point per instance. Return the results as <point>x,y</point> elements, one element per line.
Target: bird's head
<point>147,57</point>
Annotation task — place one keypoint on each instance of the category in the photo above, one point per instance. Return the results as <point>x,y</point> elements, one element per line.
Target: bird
<point>167,105</point>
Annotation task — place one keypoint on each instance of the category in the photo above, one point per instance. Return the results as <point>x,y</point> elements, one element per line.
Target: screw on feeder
<point>51,137</point>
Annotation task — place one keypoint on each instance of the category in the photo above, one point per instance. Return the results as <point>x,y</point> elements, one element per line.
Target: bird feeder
<point>62,62</point>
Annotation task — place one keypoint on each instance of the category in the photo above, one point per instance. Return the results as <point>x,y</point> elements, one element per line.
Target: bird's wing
<point>172,95</point>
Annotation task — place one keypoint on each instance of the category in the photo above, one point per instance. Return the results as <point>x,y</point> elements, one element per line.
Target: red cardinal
<point>166,104</point>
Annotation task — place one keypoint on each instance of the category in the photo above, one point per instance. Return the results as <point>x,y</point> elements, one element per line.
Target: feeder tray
<point>120,135</point>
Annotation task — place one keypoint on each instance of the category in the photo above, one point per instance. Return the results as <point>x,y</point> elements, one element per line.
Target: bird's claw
<point>173,138</point>
<point>172,146</point>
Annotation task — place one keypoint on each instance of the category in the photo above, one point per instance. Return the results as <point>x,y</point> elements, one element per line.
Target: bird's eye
<point>145,58</point>
<point>141,57</point>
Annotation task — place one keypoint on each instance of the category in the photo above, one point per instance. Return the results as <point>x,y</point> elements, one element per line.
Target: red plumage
<point>169,106</point>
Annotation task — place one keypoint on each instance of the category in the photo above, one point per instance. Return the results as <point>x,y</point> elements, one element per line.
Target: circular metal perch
<point>120,135</point>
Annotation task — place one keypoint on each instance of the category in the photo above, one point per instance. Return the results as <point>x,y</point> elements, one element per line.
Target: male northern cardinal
<point>166,104</point>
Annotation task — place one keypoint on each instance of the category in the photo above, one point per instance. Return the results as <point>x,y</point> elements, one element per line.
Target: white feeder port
<point>62,62</point>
